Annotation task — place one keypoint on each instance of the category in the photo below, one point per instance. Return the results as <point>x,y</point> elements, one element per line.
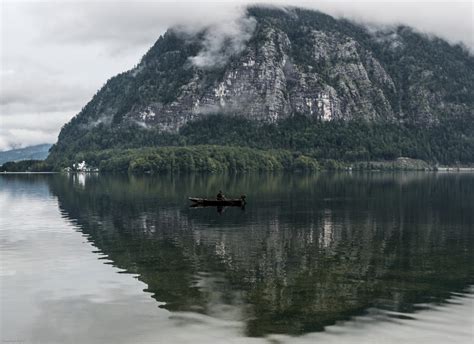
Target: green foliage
<point>332,165</point>
<point>196,159</point>
<point>448,143</point>
<point>26,166</point>
<point>306,163</point>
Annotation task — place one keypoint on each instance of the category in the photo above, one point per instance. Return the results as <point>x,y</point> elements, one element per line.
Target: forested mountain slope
<point>290,79</point>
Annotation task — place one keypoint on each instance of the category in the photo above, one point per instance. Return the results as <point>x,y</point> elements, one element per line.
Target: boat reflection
<point>220,209</point>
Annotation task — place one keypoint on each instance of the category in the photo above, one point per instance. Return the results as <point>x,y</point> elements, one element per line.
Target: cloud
<point>55,55</point>
<point>118,26</point>
<point>223,40</point>
<point>35,102</point>
<point>31,89</point>
<point>450,20</point>
<point>123,24</point>
<point>24,129</point>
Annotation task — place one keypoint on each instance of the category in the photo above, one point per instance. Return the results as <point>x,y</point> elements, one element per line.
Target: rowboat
<point>235,202</point>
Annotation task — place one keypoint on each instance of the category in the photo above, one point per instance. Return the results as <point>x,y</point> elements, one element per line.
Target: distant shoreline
<point>455,169</point>
<point>28,172</point>
<point>439,170</point>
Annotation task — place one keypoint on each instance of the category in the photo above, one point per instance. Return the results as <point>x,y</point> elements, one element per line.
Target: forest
<point>232,143</point>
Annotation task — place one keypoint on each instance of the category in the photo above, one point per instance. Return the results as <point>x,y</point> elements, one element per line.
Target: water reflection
<point>308,250</point>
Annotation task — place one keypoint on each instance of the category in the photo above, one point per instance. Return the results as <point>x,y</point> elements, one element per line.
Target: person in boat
<point>220,196</point>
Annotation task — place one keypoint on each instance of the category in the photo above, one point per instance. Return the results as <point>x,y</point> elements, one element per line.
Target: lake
<point>331,258</point>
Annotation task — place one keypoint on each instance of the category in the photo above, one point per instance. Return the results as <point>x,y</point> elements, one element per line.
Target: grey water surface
<point>330,258</point>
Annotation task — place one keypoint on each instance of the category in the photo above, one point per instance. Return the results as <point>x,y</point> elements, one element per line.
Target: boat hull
<point>218,203</point>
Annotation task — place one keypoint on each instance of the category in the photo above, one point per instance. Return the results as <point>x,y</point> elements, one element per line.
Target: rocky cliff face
<point>285,63</point>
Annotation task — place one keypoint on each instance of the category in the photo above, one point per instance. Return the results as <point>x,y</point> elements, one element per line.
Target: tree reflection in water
<point>308,251</point>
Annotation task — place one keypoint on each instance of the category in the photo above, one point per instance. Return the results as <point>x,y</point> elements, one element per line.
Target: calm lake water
<point>329,258</point>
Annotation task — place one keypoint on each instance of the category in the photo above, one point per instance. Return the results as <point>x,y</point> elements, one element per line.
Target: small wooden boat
<point>235,202</point>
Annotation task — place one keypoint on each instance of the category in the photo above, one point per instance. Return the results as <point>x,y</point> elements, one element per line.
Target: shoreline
<point>455,169</point>
<point>439,170</point>
<point>28,172</point>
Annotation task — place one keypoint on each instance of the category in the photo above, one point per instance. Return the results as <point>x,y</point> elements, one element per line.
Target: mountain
<point>288,79</point>
<point>38,152</point>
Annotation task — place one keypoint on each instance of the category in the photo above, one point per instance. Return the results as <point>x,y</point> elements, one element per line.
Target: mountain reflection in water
<point>307,251</point>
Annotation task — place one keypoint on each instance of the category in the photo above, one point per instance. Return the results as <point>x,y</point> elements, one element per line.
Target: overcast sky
<point>55,55</point>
